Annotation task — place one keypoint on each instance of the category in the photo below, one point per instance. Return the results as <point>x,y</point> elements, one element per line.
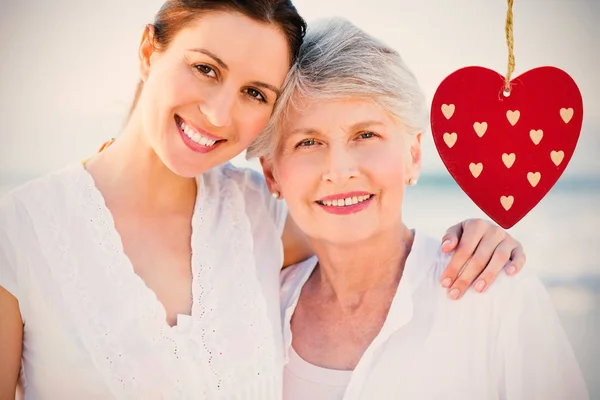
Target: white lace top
<point>94,330</point>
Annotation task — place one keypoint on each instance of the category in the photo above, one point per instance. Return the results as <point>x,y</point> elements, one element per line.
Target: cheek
<point>385,169</point>
<point>298,180</point>
<point>391,178</point>
<point>180,88</point>
<point>165,90</point>
<point>386,163</point>
<point>251,121</point>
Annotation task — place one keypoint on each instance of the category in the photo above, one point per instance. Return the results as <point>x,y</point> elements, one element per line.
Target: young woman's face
<point>342,166</point>
<point>211,91</point>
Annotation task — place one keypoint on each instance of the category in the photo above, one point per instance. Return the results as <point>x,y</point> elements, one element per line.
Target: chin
<point>181,161</point>
<point>176,164</point>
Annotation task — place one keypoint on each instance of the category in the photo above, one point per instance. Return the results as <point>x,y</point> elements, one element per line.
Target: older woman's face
<point>342,167</point>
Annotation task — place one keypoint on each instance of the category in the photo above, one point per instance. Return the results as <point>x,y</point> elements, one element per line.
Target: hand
<point>484,250</point>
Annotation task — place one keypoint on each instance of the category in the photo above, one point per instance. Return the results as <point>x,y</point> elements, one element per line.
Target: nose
<point>341,166</point>
<point>218,107</point>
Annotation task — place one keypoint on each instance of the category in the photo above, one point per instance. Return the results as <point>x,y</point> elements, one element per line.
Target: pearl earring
<point>412,182</point>
<point>275,195</point>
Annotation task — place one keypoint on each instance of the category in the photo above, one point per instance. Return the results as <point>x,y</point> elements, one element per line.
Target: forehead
<point>242,43</point>
<point>334,114</point>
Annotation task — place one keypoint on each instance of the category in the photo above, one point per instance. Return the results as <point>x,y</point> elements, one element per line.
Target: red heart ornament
<point>506,152</point>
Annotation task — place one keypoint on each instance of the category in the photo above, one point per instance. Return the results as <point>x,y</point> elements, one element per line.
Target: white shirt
<point>94,330</point>
<point>504,344</point>
<point>304,380</point>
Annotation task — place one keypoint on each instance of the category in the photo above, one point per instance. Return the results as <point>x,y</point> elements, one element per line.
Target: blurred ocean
<point>560,239</point>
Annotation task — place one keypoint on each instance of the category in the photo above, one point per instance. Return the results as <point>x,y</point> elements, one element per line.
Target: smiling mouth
<point>345,202</point>
<point>195,136</point>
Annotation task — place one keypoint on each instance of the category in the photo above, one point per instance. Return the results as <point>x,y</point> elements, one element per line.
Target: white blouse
<point>504,344</point>
<point>94,330</point>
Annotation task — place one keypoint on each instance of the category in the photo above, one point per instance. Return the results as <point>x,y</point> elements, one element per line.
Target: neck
<point>348,273</point>
<point>130,174</point>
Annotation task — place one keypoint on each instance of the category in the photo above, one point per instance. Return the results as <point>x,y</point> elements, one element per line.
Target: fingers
<point>478,253</point>
<point>518,260</point>
<point>464,280</point>
<point>491,255</point>
<point>473,231</point>
<point>500,258</point>
<point>451,238</point>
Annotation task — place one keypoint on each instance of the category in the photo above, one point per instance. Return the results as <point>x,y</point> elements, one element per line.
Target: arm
<point>484,250</point>
<point>296,246</point>
<point>11,321</point>
<point>11,340</point>
<point>536,360</point>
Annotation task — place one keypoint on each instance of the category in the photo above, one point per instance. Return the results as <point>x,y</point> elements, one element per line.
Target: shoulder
<point>252,185</point>
<point>245,189</point>
<point>51,192</point>
<point>249,182</point>
<point>246,178</point>
<point>53,182</point>
<point>427,251</point>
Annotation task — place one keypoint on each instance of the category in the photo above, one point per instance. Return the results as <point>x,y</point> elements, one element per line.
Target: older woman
<point>365,318</point>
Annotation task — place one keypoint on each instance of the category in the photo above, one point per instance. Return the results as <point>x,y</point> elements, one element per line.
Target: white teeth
<point>349,201</point>
<point>195,136</point>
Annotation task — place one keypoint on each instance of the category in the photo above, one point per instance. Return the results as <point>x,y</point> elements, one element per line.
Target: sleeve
<point>538,360</point>
<point>276,209</point>
<point>8,268</point>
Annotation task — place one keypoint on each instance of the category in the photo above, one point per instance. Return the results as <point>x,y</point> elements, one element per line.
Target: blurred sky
<point>68,68</point>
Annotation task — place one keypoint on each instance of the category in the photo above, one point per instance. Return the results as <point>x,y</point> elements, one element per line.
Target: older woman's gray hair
<point>340,61</point>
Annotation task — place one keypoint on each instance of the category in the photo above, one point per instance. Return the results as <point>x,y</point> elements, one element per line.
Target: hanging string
<point>511,46</point>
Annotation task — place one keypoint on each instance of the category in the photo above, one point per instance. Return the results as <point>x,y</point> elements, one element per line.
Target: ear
<point>270,176</point>
<point>146,51</point>
<point>414,169</point>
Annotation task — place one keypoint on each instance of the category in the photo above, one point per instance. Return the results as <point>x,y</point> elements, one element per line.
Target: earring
<point>275,195</point>
<point>412,182</point>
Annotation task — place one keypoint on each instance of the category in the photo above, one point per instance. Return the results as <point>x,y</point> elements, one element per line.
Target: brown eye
<point>206,70</point>
<point>256,95</point>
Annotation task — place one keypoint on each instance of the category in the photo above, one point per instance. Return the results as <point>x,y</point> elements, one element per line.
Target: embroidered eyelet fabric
<point>65,263</point>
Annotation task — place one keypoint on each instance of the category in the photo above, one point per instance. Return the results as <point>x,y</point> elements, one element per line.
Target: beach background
<point>68,73</point>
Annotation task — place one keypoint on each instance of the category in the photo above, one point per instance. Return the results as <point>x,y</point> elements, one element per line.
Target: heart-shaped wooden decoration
<point>506,152</point>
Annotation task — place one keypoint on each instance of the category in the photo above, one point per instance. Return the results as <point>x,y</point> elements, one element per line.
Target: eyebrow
<point>357,126</point>
<point>303,131</point>
<point>365,124</point>
<point>225,67</point>
<point>267,86</point>
<point>213,56</point>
